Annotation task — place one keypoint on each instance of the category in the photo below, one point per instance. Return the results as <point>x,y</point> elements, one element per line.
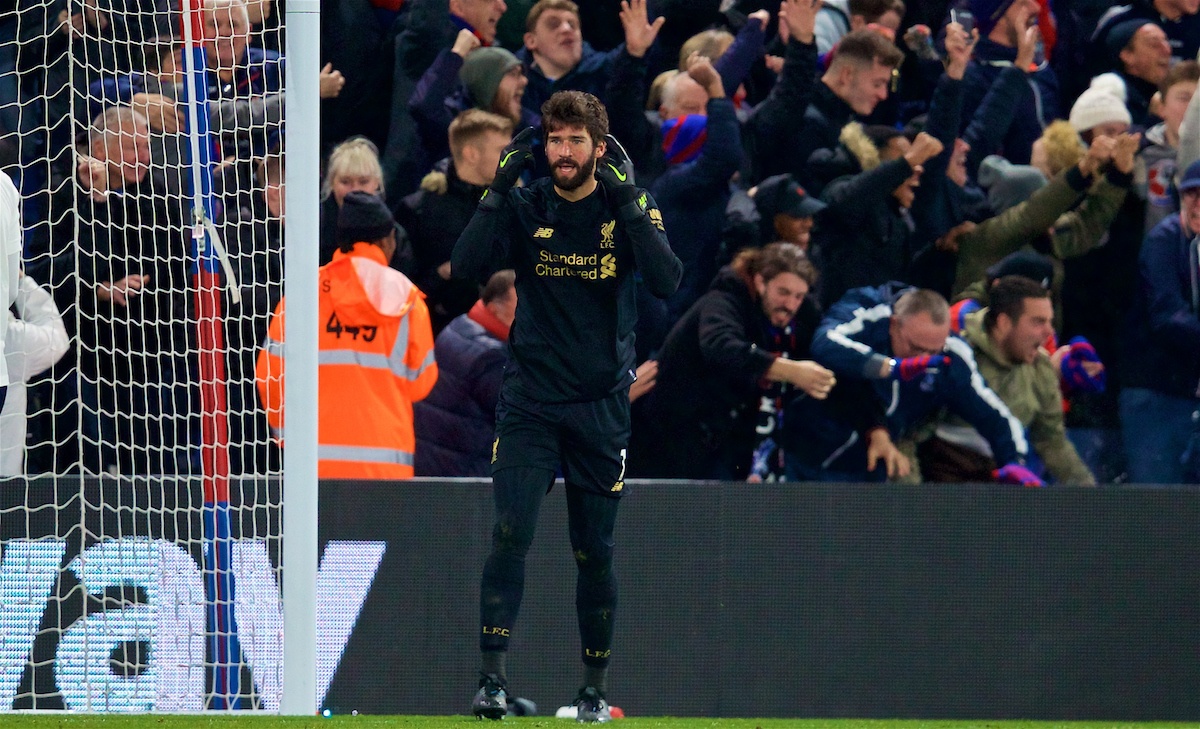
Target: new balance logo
<point>543,233</point>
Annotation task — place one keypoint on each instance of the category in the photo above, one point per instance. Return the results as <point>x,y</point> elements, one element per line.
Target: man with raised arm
<point>576,241</point>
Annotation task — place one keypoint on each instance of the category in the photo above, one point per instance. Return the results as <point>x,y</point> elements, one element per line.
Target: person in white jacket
<point>10,261</point>
<point>35,339</point>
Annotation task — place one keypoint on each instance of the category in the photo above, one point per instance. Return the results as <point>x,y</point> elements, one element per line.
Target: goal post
<point>143,558</point>
<point>300,394</point>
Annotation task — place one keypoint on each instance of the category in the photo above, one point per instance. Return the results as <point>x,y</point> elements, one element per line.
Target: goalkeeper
<point>576,241</point>
<point>897,366</point>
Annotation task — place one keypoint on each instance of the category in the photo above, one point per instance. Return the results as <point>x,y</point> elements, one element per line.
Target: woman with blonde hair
<point>354,165</point>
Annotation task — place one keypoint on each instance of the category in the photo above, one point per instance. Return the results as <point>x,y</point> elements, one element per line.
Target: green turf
<point>143,721</point>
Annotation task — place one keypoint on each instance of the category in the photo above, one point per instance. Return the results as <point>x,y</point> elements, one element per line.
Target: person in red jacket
<point>375,352</point>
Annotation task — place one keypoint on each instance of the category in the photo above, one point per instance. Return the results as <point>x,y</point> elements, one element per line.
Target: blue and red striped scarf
<point>684,137</point>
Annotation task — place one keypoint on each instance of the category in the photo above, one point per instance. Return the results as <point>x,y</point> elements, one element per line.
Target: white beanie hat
<point>1096,106</point>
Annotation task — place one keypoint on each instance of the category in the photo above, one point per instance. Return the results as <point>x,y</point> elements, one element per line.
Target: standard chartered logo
<point>608,266</point>
<point>576,265</point>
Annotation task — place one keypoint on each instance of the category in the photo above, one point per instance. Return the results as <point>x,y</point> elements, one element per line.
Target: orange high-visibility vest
<point>375,359</point>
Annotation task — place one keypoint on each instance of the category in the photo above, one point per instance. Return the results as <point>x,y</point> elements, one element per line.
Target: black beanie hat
<point>363,218</point>
<point>1030,264</point>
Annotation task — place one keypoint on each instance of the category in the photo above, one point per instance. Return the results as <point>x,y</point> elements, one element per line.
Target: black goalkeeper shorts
<point>587,439</point>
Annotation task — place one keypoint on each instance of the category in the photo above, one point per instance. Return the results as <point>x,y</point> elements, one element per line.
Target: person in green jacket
<point>1063,218</point>
<point>1006,338</point>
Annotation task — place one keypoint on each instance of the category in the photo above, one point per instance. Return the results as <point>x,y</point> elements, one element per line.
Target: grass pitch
<point>154,721</point>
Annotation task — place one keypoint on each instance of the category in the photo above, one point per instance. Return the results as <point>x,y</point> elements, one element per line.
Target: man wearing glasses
<point>897,365</point>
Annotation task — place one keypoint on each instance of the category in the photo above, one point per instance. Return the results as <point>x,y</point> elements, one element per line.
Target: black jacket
<point>866,239</point>
<point>700,417</point>
<point>434,217</point>
<point>778,135</point>
<point>573,339</point>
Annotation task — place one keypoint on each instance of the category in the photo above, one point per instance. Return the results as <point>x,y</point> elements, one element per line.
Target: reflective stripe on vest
<point>374,361</point>
<point>393,363</point>
<point>401,346</point>
<point>364,454</point>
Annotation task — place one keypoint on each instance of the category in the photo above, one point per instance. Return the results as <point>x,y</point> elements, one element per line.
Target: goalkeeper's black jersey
<point>572,340</point>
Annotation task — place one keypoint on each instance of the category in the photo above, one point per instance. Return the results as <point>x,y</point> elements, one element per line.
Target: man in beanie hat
<point>1161,368</point>
<point>988,14</point>
<point>1141,57</point>
<point>430,29</point>
<point>375,352</point>
<point>1005,26</point>
<point>463,77</point>
<point>1177,18</point>
<point>494,80</point>
<point>1030,264</point>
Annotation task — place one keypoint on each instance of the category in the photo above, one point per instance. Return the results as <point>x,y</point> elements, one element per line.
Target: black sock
<point>495,662</point>
<point>596,677</point>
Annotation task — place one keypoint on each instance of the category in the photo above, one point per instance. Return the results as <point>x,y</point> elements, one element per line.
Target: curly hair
<point>575,109</point>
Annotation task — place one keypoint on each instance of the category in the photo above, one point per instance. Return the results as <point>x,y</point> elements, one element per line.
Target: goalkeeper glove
<point>1017,475</point>
<point>514,160</point>
<point>615,170</point>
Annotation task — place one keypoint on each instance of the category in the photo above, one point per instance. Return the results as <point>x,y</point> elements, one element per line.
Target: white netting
<point>107,585</point>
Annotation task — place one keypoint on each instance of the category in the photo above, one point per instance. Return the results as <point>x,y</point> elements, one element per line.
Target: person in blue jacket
<point>556,58</point>
<point>896,364</point>
<point>1002,26</point>
<point>703,152</point>
<point>1161,371</point>
<point>456,422</point>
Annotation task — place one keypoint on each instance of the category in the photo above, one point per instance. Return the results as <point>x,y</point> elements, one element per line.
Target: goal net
<point>139,496</point>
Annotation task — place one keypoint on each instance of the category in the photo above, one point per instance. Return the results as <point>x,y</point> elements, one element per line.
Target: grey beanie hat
<point>1008,184</point>
<point>482,72</point>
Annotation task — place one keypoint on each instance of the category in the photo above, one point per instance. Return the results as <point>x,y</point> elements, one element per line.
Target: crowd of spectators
<point>943,240</point>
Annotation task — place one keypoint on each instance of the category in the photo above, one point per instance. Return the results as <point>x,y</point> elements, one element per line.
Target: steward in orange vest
<point>375,353</point>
